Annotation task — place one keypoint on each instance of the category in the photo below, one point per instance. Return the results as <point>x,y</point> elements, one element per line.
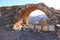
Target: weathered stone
<point>13,14</point>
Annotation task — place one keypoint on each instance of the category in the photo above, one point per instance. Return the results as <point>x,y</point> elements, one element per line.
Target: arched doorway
<point>25,15</point>
<point>37,20</point>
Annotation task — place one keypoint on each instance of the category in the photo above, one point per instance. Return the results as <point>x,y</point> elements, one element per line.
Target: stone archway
<point>28,12</point>
<point>25,14</point>
<point>21,12</point>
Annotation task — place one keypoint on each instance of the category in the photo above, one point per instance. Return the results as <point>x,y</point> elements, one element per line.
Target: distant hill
<point>37,18</point>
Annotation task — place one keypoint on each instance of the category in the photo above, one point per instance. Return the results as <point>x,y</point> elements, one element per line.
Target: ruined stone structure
<point>44,25</point>
<point>15,16</point>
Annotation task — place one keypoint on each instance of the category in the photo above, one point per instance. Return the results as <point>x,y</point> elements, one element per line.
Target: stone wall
<point>9,15</point>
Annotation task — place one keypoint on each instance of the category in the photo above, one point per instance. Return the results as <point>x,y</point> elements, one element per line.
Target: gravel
<point>28,35</point>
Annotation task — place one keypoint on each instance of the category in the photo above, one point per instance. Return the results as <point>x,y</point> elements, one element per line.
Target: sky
<point>36,13</point>
<point>50,3</point>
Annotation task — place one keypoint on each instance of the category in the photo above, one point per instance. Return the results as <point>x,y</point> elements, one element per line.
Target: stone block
<point>45,28</point>
<point>38,27</point>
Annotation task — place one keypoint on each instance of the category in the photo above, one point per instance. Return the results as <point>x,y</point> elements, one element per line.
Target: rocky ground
<point>27,35</point>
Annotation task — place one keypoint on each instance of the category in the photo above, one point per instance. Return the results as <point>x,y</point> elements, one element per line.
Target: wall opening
<point>37,19</point>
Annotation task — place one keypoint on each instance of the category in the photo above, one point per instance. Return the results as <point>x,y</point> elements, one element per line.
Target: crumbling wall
<point>9,15</point>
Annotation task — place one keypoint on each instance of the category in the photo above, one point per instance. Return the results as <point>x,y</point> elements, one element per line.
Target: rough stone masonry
<point>11,16</point>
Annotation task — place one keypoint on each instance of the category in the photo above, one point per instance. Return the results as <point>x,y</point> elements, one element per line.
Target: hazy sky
<point>36,13</point>
<point>50,3</point>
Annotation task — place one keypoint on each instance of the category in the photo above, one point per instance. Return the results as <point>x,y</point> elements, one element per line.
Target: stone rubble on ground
<point>27,35</point>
